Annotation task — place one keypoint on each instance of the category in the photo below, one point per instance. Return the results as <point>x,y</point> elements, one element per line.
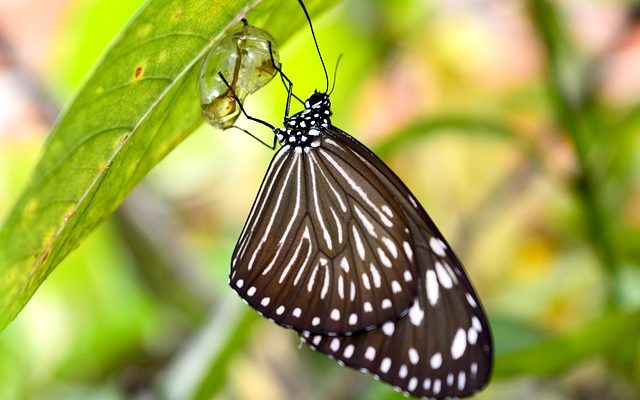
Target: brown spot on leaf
<point>68,215</point>
<point>138,72</point>
<point>123,139</point>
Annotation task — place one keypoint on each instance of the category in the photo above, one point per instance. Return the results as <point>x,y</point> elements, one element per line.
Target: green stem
<point>576,120</point>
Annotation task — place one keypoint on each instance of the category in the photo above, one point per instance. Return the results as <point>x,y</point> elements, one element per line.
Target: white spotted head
<point>302,130</point>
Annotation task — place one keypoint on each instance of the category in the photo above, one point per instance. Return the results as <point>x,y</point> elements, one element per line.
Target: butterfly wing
<point>325,246</point>
<point>443,346</point>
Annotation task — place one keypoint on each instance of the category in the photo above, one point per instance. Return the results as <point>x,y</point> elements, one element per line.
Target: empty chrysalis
<point>247,59</point>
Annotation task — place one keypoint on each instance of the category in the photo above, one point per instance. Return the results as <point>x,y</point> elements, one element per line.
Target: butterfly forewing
<point>325,248</point>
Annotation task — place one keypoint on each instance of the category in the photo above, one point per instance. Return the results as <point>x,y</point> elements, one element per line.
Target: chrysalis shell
<point>243,57</point>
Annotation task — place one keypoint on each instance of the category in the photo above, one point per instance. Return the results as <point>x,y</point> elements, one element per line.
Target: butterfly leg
<point>272,146</point>
<point>258,120</point>
<point>288,85</point>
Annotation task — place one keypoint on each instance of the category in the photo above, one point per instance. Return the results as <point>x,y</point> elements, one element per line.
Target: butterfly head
<point>302,129</point>
<point>318,100</point>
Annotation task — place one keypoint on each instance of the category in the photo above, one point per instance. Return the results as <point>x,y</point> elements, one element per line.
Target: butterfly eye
<point>247,58</point>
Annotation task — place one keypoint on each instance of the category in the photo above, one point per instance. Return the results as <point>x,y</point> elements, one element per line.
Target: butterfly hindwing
<point>325,248</point>
<point>443,346</point>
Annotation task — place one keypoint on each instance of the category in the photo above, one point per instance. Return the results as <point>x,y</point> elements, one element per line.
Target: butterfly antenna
<point>335,74</point>
<point>315,41</point>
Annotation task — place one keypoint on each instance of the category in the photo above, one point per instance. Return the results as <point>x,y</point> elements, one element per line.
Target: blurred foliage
<point>500,118</point>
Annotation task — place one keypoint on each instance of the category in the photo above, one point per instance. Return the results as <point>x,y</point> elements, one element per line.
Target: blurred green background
<point>516,124</point>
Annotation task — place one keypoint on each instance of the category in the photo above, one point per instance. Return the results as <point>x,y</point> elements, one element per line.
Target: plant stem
<point>577,120</point>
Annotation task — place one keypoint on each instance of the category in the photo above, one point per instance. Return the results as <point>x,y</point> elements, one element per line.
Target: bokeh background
<point>515,123</point>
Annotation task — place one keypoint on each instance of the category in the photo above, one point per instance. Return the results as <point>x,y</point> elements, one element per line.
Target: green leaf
<point>138,104</point>
<point>558,354</point>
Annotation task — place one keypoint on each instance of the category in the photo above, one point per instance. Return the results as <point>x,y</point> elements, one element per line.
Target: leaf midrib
<point>100,176</point>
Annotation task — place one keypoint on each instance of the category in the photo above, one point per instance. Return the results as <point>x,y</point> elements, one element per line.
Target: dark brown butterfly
<point>337,248</point>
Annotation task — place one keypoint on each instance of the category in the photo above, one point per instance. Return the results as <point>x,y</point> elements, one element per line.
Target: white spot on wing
<point>385,365</point>
<point>312,279</point>
<point>475,322</point>
<point>474,369</point>
<point>383,258</point>
<point>377,281</point>
<point>450,271</point>
<point>388,328</point>
<point>325,285</point>
<point>352,292</point>
<point>407,276</point>
<point>459,344</point>
<point>413,356</point>
<point>462,380</point>
<point>408,250</point>
<point>436,361</point>
<point>443,276</point>
<point>437,385</point>
<point>413,384</point>
<point>472,336</point>
<point>348,351</point>
<point>437,246</point>
<point>359,244</point>
<point>344,264</point>
<point>416,314</point>
<point>370,353</point>
<point>471,300</point>
<point>390,246</point>
<point>365,281</point>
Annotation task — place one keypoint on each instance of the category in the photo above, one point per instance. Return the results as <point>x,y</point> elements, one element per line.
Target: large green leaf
<point>138,104</point>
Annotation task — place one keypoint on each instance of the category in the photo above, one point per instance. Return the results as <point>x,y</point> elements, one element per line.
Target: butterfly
<point>337,248</point>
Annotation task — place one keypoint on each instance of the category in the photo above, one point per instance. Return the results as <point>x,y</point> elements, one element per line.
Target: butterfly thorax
<point>301,131</point>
